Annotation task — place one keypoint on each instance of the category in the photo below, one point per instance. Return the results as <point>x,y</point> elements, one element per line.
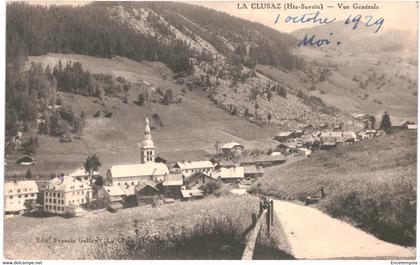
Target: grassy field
<point>210,228</point>
<point>395,90</point>
<point>371,184</point>
<point>194,124</point>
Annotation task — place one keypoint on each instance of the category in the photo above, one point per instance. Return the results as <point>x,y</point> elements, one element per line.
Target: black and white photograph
<point>209,130</point>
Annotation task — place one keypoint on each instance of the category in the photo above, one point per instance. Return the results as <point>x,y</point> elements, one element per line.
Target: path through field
<point>312,234</point>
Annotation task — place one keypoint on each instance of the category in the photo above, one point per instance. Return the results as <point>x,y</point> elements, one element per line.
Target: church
<point>129,176</point>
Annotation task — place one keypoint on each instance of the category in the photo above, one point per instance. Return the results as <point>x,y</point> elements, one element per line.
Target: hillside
<point>173,231</point>
<point>194,124</point>
<point>371,184</point>
<point>367,73</point>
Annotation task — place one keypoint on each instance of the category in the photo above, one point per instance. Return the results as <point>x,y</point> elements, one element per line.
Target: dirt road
<point>312,234</point>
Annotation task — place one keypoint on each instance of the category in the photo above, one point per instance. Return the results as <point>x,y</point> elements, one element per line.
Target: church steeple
<point>147,150</point>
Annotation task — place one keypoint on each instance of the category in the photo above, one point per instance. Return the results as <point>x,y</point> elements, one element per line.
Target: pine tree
<point>385,123</point>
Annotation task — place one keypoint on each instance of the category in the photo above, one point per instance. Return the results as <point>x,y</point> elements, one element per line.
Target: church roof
<point>134,170</point>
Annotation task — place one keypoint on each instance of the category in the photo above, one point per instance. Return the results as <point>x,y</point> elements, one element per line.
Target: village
<point>160,179</point>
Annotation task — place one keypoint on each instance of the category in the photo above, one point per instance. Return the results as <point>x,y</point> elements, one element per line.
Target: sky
<point>397,14</point>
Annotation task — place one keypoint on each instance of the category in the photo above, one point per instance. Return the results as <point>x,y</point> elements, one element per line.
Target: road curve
<point>312,234</point>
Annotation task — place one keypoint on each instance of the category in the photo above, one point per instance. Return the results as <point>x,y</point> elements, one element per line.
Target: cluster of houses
<point>164,178</point>
<point>301,142</point>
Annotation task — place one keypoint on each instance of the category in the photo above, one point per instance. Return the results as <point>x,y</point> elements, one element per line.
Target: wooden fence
<point>265,213</point>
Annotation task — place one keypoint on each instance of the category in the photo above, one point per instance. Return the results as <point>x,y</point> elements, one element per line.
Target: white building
<point>17,192</point>
<point>63,191</point>
<point>129,176</point>
<point>83,175</point>
<point>191,167</point>
<point>229,174</point>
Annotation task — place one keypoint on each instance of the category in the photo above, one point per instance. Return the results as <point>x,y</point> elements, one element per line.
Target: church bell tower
<point>147,150</point>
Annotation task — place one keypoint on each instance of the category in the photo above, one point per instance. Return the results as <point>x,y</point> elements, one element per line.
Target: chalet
<point>303,152</point>
<point>25,160</point>
<point>263,160</point>
<point>147,193</point>
<point>192,194</point>
<point>191,167</point>
<point>334,137</point>
<point>411,126</point>
<point>328,145</point>
<point>111,194</point>
<point>83,175</point>
<point>233,174</point>
<point>171,186</point>
<point>16,193</point>
<point>323,126</point>
<point>74,210</point>
<point>170,158</point>
<point>253,171</point>
<point>298,133</point>
<point>129,176</point>
<point>63,191</point>
<point>349,136</point>
<point>197,180</point>
<point>283,136</point>
<point>361,116</point>
<point>232,149</point>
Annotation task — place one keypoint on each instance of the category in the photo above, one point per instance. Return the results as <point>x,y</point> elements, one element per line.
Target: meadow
<point>370,184</point>
<point>212,228</point>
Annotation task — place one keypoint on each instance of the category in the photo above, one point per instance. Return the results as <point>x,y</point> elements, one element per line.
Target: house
<point>197,180</point>
<point>129,176</point>
<point>191,167</point>
<point>335,137</point>
<point>233,174</point>
<point>253,171</point>
<point>16,193</point>
<point>298,133</point>
<point>411,126</point>
<point>74,210</point>
<point>147,193</point>
<point>263,160</point>
<point>191,194</point>
<point>171,186</point>
<point>25,160</point>
<point>83,175</point>
<point>361,116</point>
<point>111,194</point>
<point>170,158</point>
<point>349,136</point>
<point>232,149</point>
<point>224,163</point>
<point>303,152</point>
<point>283,136</point>
<point>328,145</point>
<point>63,191</point>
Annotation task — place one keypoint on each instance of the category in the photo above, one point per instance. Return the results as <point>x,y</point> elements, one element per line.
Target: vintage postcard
<point>143,130</point>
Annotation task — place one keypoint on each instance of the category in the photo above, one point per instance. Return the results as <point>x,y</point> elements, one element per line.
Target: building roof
<point>66,183</point>
<point>263,158</point>
<point>145,184</point>
<point>114,190</point>
<point>25,159</point>
<point>411,126</point>
<point>349,134</point>
<point>176,156</point>
<point>192,193</point>
<point>231,145</point>
<point>229,173</point>
<point>331,134</point>
<point>134,170</point>
<point>82,172</point>
<point>253,169</point>
<point>173,180</point>
<point>25,186</point>
<point>284,134</point>
<point>195,164</point>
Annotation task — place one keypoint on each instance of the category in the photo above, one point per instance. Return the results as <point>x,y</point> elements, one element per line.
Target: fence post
<point>272,212</point>
<point>268,219</point>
